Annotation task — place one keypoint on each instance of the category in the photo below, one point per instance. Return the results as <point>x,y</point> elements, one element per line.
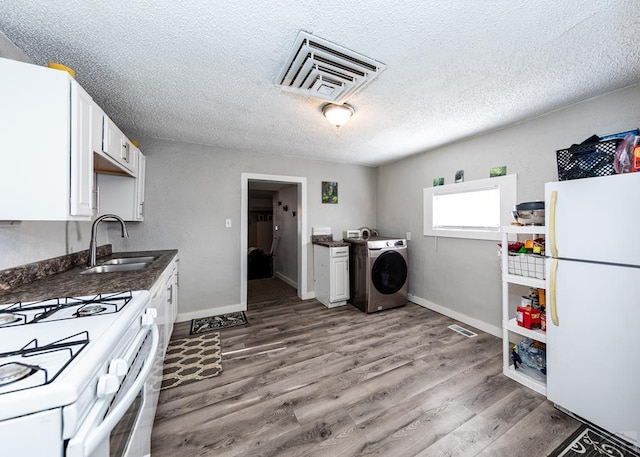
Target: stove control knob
<point>108,384</point>
<point>149,316</point>
<point>118,367</point>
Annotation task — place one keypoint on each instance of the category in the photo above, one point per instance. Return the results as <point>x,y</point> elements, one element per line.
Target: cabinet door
<point>339,279</point>
<point>117,146</point>
<point>122,195</point>
<point>176,284</point>
<point>140,185</point>
<point>81,192</point>
<point>159,303</point>
<point>169,308</point>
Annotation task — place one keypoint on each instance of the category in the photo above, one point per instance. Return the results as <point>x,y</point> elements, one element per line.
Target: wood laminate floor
<point>304,380</point>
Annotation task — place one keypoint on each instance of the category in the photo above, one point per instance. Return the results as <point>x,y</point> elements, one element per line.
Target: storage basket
<point>529,265</point>
<point>587,161</point>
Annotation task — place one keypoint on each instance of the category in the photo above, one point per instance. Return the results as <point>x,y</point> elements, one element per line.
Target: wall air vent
<point>321,69</point>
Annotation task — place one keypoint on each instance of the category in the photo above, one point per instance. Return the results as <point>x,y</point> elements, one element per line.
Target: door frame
<point>303,244</point>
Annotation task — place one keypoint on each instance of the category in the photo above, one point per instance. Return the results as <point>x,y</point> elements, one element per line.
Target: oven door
<point>115,425</point>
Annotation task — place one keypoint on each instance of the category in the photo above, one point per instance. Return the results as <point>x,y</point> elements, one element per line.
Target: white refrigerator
<point>593,300</point>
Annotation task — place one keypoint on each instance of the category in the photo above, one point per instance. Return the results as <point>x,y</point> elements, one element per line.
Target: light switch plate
<point>227,223</point>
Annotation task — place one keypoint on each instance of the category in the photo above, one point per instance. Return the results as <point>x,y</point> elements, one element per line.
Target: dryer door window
<point>389,272</point>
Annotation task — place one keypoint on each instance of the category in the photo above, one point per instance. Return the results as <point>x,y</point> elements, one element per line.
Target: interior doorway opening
<point>273,233</point>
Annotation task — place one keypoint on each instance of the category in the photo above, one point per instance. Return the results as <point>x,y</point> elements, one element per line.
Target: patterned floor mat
<point>192,359</point>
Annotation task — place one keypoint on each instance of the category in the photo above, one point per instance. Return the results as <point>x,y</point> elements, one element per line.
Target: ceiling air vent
<point>321,69</point>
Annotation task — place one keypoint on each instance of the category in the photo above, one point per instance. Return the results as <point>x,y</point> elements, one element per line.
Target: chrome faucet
<point>93,246</point>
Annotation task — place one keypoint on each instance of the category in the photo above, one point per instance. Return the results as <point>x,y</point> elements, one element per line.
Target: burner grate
<point>64,350</point>
<point>54,308</point>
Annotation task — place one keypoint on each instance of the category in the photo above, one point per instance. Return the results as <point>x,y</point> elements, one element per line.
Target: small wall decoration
<point>459,176</point>
<point>498,171</point>
<point>438,181</point>
<point>329,192</point>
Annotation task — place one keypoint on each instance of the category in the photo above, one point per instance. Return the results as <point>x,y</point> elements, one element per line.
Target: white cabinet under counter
<point>331,274</point>
<point>164,299</point>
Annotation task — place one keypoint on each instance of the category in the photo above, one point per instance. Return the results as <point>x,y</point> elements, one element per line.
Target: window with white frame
<point>474,209</point>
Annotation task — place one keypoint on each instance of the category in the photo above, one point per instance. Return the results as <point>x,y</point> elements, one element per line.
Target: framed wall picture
<point>329,192</point>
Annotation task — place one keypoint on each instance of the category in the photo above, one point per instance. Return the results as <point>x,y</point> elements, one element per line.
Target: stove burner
<point>90,310</point>
<point>12,372</point>
<point>8,318</point>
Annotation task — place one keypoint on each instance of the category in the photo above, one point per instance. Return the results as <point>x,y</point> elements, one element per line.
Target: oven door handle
<point>84,446</point>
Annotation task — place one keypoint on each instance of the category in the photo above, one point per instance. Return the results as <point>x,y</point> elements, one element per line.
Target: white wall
<point>192,189</point>
<point>464,275</point>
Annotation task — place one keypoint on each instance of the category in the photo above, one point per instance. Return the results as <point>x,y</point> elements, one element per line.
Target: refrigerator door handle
<point>552,223</point>
<point>552,292</point>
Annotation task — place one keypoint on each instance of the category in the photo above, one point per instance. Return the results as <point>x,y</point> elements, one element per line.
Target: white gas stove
<point>72,372</point>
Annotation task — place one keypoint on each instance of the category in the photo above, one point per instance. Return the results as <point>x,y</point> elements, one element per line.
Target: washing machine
<point>378,273</point>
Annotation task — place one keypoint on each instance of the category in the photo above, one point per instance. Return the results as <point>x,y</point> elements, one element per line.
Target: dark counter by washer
<point>327,241</point>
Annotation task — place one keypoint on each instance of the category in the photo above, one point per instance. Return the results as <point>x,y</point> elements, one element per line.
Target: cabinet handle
<point>97,199</point>
<point>125,152</point>
<point>170,290</point>
<point>552,292</point>
<point>552,224</point>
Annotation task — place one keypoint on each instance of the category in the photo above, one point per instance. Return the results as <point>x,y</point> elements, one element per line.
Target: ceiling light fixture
<point>337,114</point>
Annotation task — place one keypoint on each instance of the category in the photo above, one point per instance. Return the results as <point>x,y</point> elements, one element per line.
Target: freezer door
<point>594,219</point>
<point>593,343</point>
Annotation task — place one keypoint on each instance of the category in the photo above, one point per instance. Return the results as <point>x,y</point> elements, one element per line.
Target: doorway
<point>288,250</point>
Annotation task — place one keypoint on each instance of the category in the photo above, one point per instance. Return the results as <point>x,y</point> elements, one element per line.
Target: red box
<point>528,317</point>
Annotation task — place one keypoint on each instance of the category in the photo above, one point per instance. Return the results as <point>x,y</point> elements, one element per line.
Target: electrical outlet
<point>408,236</point>
<point>227,223</point>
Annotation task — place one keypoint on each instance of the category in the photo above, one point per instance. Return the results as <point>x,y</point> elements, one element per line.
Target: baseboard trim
<point>307,295</point>
<point>288,280</point>
<point>472,321</point>
<point>184,317</point>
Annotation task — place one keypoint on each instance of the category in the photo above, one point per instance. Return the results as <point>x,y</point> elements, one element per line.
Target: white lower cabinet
<point>331,275</point>
<point>164,298</point>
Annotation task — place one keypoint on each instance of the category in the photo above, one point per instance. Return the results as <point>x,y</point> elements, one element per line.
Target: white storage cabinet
<point>164,298</point>
<point>117,146</point>
<point>527,377</point>
<point>123,195</point>
<point>52,143</point>
<point>47,161</point>
<point>331,270</point>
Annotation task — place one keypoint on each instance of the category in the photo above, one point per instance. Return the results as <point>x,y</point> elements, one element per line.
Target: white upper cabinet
<point>123,195</point>
<point>47,163</point>
<point>54,138</point>
<point>81,153</point>
<point>117,146</point>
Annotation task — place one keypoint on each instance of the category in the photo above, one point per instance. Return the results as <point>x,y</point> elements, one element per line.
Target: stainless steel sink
<point>116,267</point>
<point>127,260</point>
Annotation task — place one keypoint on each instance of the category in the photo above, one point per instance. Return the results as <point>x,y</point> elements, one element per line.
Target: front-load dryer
<point>378,273</point>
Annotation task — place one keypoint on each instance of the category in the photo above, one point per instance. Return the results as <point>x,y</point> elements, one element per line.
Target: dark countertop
<point>72,283</point>
<point>331,243</point>
<point>327,241</point>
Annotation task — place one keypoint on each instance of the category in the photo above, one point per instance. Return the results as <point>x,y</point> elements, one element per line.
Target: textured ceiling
<point>204,72</point>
